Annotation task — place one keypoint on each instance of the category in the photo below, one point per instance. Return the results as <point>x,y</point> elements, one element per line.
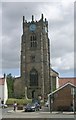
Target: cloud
<point>65,62</point>
<point>54,1</point>
<point>62,40</point>
<point>60,17</point>
<point>0,36</point>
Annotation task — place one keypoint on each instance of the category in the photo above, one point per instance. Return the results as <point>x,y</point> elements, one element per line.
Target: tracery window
<point>33,41</point>
<point>33,77</point>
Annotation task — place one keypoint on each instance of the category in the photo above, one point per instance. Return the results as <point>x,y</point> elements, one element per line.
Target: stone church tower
<point>35,58</point>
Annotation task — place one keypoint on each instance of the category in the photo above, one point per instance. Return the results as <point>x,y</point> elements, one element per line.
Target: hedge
<point>10,101</point>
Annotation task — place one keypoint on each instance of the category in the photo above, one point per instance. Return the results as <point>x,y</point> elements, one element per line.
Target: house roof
<point>53,72</point>
<point>62,88</point>
<point>63,81</point>
<point>1,81</point>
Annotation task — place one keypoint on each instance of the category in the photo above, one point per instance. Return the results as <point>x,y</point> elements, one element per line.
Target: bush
<point>10,101</point>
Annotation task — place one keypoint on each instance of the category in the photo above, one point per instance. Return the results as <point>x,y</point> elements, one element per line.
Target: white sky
<point>60,16</point>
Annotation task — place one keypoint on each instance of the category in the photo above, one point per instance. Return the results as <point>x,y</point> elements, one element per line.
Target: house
<point>3,90</point>
<point>54,76</point>
<point>63,81</point>
<point>63,99</point>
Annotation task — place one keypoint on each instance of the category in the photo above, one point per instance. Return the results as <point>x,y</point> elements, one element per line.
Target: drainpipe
<point>73,101</point>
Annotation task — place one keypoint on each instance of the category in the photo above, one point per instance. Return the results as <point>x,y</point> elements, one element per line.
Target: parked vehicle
<point>4,106</point>
<point>30,108</point>
<point>47,104</point>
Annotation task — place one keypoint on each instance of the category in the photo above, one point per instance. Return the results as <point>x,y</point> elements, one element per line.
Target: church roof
<point>53,73</point>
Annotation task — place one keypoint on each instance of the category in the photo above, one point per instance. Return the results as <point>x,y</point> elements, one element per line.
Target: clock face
<point>32,27</point>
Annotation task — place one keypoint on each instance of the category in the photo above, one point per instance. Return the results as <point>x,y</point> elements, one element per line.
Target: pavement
<point>9,113</point>
<point>34,115</point>
<point>56,112</point>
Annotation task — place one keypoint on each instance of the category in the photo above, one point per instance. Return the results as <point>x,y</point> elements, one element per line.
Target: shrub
<point>10,101</point>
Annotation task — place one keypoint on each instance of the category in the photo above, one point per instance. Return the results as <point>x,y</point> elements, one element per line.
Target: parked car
<point>4,106</point>
<point>30,108</point>
<point>47,104</point>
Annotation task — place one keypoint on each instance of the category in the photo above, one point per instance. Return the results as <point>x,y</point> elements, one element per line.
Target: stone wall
<point>18,91</point>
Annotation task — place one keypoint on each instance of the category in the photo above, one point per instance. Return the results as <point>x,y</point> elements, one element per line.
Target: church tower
<point>35,58</point>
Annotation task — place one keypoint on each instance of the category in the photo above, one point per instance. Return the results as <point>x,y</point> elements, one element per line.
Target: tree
<point>10,85</point>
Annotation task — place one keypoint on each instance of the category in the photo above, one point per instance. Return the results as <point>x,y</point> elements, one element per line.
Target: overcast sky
<point>60,16</point>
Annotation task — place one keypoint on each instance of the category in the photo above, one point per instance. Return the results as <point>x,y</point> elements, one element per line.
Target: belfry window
<point>33,41</point>
<point>33,78</point>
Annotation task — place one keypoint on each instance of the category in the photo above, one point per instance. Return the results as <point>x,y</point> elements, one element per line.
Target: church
<point>37,78</point>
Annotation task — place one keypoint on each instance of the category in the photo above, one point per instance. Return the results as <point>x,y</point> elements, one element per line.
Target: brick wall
<point>63,98</point>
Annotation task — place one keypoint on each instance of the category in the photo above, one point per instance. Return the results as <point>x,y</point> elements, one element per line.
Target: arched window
<point>33,41</point>
<point>33,77</point>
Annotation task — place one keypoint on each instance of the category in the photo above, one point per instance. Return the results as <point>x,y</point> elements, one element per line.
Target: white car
<point>47,104</point>
<point>4,106</point>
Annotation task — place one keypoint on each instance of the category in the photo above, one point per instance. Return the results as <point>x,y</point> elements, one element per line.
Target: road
<point>9,113</point>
